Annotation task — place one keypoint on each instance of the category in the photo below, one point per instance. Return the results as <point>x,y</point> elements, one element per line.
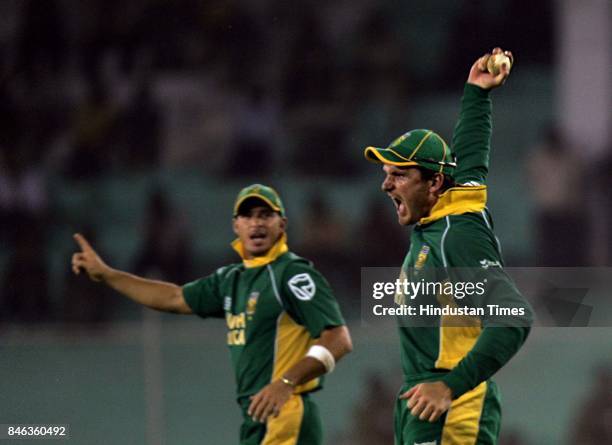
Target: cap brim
<point>255,196</point>
<point>386,156</point>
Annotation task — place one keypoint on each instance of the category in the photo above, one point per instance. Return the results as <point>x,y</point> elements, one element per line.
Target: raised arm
<point>472,136</point>
<point>159,295</point>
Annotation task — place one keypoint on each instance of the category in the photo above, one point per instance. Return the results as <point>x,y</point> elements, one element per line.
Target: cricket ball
<point>496,61</point>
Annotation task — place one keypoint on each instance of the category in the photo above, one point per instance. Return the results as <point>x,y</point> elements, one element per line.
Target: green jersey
<point>274,310</point>
<point>459,233</point>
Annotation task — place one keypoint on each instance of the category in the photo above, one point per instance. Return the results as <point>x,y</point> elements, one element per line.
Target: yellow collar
<point>456,201</point>
<point>275,251</point>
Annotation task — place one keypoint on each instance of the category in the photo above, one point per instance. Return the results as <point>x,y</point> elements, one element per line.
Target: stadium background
<point>137,122</point>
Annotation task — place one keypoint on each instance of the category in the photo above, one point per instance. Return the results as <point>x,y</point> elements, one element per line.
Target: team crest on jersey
<point>251,303</point>
<point>302,286</point>
<point>422,257</point>
<point>227,303</point>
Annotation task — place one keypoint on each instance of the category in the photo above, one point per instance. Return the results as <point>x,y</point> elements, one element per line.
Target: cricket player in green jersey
<point>284,326</point>
<point>448,397</point>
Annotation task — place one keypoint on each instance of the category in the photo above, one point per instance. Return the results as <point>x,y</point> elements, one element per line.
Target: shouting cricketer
<point>447,396</point>
<point>285,329</point>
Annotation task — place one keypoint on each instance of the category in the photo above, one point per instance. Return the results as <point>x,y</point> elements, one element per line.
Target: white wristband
<point>322,354</point>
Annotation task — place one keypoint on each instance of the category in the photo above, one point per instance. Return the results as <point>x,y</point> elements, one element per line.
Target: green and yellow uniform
<point>458,233</point>
<point>275,307</point>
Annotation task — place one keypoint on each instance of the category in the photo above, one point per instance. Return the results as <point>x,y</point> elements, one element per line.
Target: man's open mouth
<point>400,207</point>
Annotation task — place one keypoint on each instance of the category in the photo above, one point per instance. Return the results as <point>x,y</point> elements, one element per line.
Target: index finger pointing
<point>82,242</point>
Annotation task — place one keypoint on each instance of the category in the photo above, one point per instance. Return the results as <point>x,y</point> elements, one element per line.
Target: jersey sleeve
<point>472,256</point>
<point>493,349</point>
<point>309,299</point>
<point>472,137</point>
<point>501,337</point>
<point>203,295</point>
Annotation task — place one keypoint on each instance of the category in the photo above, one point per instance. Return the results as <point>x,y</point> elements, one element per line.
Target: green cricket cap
<point>268,195</point>
<point>423,148</point>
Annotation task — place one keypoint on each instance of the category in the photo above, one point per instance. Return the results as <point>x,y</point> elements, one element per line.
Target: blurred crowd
<point>246,90</point>
<point>235,89</point>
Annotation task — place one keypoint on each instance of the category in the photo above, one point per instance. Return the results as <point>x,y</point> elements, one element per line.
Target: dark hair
<point>427,175</point>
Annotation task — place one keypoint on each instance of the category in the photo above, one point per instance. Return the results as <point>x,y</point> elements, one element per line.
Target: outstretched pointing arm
<point>159,295</point>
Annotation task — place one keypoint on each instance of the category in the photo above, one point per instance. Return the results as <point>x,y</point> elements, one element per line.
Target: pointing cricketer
<point>284,326</point>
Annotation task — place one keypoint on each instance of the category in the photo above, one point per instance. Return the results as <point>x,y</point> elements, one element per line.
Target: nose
<point>387,184</point>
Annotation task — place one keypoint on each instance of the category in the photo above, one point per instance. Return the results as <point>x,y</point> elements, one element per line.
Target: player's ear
<point>283,223</point>
<point>437,182</point>
<point>235,225</point>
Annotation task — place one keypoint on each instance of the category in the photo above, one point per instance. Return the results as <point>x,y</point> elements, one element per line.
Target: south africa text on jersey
<point>236,325</point>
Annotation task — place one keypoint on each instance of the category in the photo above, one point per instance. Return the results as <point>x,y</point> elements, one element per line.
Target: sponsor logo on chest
<point>237,323</point>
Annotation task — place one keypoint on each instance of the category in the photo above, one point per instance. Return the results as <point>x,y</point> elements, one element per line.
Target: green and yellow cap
<point>422,148</point>
<point>262,192</point>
